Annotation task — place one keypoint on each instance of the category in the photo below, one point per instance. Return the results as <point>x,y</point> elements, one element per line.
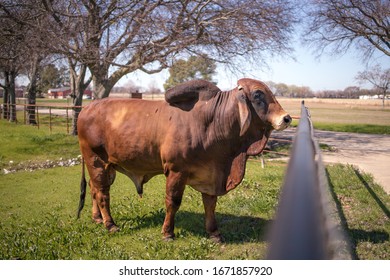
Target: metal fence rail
<point>303,227</point>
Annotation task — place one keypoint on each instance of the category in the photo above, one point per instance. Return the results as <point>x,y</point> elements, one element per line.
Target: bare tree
<point>352,92</point>
<point>12,55</point>
<point>379,78</point>
<point>22,29</point>
<point>341,24</point>
<point>9,96</point>
<point>40,32</point>
<point>118,37</point>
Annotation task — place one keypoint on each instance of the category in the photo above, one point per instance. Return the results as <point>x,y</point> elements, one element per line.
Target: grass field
<point>22,144</point>
<point>39,210</point>
<point>41,207</point>
<point>347,115</point>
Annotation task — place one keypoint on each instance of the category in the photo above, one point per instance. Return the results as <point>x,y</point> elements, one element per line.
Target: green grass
<point>57,123</point>
<point>39,217</point>
<point>364,210</point>
<point>21,143</point>
<point>355,128</point>
<point>54,101</point>
<point>40,209</point>
<point>348,127</point>
<point>334,116</point>
<point>61,102</point>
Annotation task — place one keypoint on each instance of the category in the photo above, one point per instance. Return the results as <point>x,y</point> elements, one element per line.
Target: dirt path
<point>369,152</point>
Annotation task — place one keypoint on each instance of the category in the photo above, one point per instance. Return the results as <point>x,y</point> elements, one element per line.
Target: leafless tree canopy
<point>120,36</point>
<point>340,24</point>
<point>378,77</point>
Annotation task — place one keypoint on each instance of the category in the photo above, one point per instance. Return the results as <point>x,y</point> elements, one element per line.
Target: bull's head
<point>254,96</point>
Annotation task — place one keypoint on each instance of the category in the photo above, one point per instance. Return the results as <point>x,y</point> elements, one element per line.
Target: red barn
<point>64,92</point>
<point>60,93</point>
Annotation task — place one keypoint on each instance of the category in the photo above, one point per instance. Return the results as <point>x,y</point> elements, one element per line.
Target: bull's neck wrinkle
<point>223,117</point>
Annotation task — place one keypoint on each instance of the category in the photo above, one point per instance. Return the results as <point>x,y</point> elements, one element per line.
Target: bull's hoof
<point>217,238</point>
<point>168,237</point>
<point>98,220</point>
<point>113,229</point>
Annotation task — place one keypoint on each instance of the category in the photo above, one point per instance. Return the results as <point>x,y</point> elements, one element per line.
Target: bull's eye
<point>258,96</point>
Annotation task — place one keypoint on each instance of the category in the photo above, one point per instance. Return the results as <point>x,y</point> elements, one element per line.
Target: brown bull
<point>200,136</point>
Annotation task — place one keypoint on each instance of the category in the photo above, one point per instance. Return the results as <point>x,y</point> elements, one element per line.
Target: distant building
<point>64,92</point>
<point>60,93</point>
<point>370,96</point>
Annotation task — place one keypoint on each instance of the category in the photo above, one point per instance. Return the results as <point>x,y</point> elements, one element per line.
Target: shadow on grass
<point>372,193</point>
<point>356,236</point>
<point>234,228</point>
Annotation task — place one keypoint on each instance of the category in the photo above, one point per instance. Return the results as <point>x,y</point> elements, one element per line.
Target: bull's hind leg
<point>174,193</point>
<point>96,214</point>
<point>102,177</point>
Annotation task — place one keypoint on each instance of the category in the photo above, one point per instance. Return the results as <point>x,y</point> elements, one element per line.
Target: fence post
<point>37,116</point>
<point>67,120</point>
<point>50,119</point>
<point>24,114</point>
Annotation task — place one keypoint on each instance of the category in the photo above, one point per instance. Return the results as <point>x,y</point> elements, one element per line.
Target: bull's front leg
<point>174,193</point>
<point>209,203</point>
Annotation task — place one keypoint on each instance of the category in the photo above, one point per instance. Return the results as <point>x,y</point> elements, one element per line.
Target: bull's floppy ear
<point>244,112</point>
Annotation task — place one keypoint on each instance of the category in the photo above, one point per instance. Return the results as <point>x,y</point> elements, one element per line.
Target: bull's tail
<point>83,188</point>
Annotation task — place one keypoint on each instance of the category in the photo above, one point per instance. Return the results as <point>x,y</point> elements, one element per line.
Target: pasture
<point>39,210</point>
<point>346,115</point>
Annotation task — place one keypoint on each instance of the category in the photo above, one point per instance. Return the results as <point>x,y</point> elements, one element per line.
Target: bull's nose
<point>287,119</point>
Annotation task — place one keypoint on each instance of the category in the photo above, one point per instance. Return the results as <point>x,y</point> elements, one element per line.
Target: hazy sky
<point>325,73</point>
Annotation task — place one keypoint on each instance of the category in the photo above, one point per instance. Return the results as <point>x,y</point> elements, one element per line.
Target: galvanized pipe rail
<point>303,228</point>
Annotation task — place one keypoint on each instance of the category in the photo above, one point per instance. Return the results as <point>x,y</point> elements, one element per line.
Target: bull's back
<point>119,120</point>
<point>124,129</point>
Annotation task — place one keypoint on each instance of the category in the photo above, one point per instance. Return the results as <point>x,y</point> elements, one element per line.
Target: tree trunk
<point>77,103</point>
<point>103,85</point>
<point>31,101</point>
<point>101,88</point>
<point>77,94</point>
<point>77,86</point>
<point>32,90</point>
<point>5,103</point>
<point>12,97</point>
<point>9,111</point>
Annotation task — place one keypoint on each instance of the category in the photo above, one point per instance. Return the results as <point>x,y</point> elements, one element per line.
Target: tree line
<point>100,41</point>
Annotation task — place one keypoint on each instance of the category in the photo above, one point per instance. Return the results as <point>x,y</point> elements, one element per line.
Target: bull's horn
<point>240,87</point>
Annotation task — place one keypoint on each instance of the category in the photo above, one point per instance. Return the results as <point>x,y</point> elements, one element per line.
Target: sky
<point>324,73</point>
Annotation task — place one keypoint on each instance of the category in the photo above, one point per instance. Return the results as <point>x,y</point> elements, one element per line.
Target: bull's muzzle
<point>282,122</point>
